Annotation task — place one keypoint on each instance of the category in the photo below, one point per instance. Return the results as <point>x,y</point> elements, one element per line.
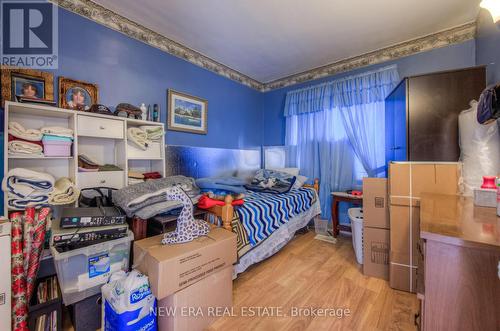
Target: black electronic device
<point>68,239</point>
<point>91,217</point>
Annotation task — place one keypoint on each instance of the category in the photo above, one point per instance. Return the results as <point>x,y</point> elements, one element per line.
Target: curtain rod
<point>366,73</point>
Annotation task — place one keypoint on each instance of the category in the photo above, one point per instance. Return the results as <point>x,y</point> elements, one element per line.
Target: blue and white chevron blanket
<point>263,213</point>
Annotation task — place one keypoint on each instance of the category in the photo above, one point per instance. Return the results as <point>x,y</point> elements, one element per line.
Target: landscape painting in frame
<point>187,113</point>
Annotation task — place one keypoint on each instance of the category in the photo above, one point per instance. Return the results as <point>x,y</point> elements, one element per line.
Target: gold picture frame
<point>12,78</point>
<point>186,113</point>
<point>76,94</point>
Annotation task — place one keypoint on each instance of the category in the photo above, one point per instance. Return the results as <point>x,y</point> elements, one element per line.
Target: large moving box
<point>171,268</point>
<point>375,228</point>
<point>407,182</point>
<point>199,305</point>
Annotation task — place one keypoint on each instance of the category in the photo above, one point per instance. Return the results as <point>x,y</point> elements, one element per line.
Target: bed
<point>266,222</point>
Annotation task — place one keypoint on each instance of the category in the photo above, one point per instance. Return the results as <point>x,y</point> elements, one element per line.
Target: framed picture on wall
<point>76,94</point>
<point>186,113</point>
<point>27,84</point>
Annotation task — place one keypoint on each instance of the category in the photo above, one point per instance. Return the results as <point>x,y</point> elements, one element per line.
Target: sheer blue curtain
<point>335,131</point>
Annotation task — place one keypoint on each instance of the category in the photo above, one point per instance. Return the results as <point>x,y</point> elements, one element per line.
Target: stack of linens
<point>148,199</point>
<point>153,132</point>
<point>23,141</point>
<point>88,164</point>
<point>26,187</point>
<point>138,137</point>
<point>57,141</point>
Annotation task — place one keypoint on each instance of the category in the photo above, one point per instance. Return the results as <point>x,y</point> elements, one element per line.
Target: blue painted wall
<point>451,57</point>
<point>127,70</point>
<point>488,46</point>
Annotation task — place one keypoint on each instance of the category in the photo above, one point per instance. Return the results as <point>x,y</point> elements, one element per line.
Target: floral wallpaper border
<point>112,20</point>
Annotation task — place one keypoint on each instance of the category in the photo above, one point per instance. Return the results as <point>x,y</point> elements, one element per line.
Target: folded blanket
<point>11,138</point>
<point>18,131</point>
<point>154,132</point>
<point>65,192</point>
<point>57,131</point>
<point>152,175</point>
<point>148,198</point>
<point>24,148</point>
<point>135,174</point>
<point>109,167</point>
<point>132,181</point>
<point>81,169</point>
<point>26,187</point>
<point>231,184</point>
<point>138,137</point>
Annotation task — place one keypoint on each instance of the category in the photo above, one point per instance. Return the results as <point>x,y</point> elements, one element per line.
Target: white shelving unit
<point>101,137</point>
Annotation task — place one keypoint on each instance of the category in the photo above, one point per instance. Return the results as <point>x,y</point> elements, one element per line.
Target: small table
<point>338,197</point>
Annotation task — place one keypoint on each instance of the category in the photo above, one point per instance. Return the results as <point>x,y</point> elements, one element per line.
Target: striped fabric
<point>263,213</point>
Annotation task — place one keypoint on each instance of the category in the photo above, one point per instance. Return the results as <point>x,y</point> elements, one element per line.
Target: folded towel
<point>132,181</point>
<point>65,192</point>
<point>152,175</point>
<point>26,187</point>
<point>11,138</point>
<point>135,174</point>
<point>18,131</point>
<point>154,132</point>
<point>138,137</point>
<point>109,167</point>
<point>49,137</point>
<point>20,147</point>
<point>57,131</point>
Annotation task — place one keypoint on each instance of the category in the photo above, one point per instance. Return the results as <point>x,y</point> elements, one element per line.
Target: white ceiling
<point>271,39</point>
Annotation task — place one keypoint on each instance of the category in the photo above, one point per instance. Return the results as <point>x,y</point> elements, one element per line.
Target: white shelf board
<point>14,157</point>
<point>39,110</point>
<point>145,158</point>
<point>143,122</point>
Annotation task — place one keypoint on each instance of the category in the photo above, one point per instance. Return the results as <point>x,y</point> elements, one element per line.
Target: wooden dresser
<point>459,285</point>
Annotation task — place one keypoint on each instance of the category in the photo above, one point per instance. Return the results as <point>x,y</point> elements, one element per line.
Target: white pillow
<point>290,171</point>
<point>299,181</point>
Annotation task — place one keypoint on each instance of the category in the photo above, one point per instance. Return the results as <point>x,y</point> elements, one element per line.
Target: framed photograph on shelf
<point>186,113</point>
<point>76,94</point>
<point>27,84</point>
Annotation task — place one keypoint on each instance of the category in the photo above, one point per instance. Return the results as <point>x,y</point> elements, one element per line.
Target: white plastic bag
<point>128,303</point>
<point>480,149</point>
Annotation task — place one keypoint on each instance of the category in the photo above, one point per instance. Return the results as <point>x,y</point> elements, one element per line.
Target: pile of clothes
<point>25,187</point>
<point>88,164</point>
<point>48,141</point>
<point>148,199</point>
<point>136,177</point>
<point>24,141</point>
<point>216,189</point>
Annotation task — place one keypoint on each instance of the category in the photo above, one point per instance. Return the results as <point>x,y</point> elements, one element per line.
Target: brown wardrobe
<point>422,114</point>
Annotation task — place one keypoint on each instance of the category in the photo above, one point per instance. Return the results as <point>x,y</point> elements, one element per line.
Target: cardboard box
<point>403,278</point>
<point>171,268</point>
<point>375,203</point>
<point>404,240</point>
<point>440,177</point>
<point>376,252</point>
<point>199,305</point>
<point>407,182</point>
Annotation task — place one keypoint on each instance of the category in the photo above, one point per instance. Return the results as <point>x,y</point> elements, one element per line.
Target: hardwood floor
<point>312,273</point>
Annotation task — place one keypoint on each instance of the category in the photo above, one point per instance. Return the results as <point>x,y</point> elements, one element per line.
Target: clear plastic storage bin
<point>81,272</point>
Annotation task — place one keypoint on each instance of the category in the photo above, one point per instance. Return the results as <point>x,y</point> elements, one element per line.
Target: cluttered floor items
<point>90,248</point>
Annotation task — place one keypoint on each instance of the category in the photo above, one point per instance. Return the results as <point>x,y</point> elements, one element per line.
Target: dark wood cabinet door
<point>434,104</point>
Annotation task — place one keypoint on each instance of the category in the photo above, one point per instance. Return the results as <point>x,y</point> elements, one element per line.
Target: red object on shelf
<point>489,182</point>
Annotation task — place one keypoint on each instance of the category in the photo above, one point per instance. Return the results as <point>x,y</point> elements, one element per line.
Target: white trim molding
<point>112,20</point>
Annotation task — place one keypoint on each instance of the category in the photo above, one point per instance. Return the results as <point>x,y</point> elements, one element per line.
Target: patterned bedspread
<point>263,213</point>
